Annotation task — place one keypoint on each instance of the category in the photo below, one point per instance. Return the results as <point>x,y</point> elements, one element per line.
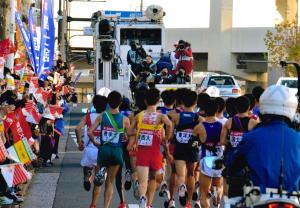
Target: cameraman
<point>135,57</point>
<point>185,57</point>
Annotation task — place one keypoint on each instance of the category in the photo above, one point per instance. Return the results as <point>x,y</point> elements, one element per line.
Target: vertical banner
<point>26,38</point>
<point>34,40</point>
<point>47,38</point>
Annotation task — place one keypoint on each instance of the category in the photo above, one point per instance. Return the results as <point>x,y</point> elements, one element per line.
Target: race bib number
<point>183,137</point>
<point>110,136</point>
<point>145,140</point>
<point>235,138</point>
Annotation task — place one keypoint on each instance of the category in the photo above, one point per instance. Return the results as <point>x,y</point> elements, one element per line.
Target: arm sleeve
<point>188,52</point>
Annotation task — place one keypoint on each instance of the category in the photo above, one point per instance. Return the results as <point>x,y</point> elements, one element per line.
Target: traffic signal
<point>107,50</point>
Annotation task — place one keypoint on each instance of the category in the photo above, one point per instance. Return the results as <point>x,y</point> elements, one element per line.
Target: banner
<point>21,152</point>
<point>47,38</point>
<point>26,38</point>
<point>34,40</point>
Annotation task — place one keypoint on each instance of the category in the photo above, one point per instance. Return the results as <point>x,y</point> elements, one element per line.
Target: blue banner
<point>34,40</point>
<point>47,38</point>
<point>26,38</point>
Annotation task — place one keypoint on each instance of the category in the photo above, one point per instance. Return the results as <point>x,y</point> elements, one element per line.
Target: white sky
<point>184,13</point>
<point>189,13</point>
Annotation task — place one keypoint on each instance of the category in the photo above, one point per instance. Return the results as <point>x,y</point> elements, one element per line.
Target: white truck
<point>114,31</point>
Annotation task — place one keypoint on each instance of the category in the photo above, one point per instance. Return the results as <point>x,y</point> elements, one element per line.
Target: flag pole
<point>12,28</point>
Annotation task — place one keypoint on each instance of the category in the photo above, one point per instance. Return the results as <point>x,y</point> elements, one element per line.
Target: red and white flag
<point>14,174</point>
<point>3,151</point>
<point>32,110</point>
<point>21,175</point>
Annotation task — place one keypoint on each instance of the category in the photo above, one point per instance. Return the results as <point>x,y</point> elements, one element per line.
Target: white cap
<point>104,91</point>
<point>213,91</point>
<point>278,100</point>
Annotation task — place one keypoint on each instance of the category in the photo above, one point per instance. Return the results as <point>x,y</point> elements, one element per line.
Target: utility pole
<point>141,6</point>
<point>12,28</point>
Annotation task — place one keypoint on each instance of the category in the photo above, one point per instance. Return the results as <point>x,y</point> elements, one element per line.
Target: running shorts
<point>109,155</point>
<point>89,156</point>
<point>150,159</point>
<point>209,171</point>
<point>187,154</point>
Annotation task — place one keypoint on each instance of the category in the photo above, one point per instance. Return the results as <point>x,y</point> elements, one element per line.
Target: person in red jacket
<point>185,57</point>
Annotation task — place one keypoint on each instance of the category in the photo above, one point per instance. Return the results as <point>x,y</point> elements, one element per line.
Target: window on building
<point>143,36</point>
<point>200,61</point>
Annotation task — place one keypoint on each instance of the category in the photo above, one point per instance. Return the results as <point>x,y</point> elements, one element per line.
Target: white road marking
<point>75,141</point>
<point>133,206</point>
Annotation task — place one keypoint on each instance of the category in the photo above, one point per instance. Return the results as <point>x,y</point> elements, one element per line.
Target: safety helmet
<point>278,100</point>
<point>213,91</point>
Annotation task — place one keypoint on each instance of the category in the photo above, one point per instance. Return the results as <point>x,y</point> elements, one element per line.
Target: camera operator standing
<point>135,57</point>
<point>185,57</point>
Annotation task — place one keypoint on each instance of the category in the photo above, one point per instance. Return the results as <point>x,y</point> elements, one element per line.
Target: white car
<point>290,82</point>
<point>227,85</point>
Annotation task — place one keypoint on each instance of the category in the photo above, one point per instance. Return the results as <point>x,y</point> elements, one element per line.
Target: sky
<point>184,14</point>
<point>189,13</point>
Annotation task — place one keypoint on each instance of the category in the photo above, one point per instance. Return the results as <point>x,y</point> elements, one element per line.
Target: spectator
<point>185,57</point>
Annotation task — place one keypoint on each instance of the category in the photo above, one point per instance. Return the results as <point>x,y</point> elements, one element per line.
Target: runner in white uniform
<point>90,151</point>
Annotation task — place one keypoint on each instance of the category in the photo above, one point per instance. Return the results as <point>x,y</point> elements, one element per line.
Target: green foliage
<point>284,44</point>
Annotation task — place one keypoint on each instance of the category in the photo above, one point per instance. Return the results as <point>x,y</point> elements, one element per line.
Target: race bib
<point>235,138</point>
<point>183,137</point>
<point>145,139</point>
<point>110,136</point>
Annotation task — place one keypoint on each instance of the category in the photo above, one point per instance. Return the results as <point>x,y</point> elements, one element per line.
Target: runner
<point>231,136</point>
<point>90,151</point>
<point>185,155</point>
<point>149,125</point>
<point>126,111</point>
<point>110,153</point>
<point>208,133</point>
<point>170,203</point>
<point>140,104</point>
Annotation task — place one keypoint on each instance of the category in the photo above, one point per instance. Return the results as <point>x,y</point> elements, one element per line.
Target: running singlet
<point>239,126</point>
<point>112,134</point>
<point>165,110</point>
<point>90,119</point>
<point>211,146</point>
<point>149,133</point>
<point>184,130</point>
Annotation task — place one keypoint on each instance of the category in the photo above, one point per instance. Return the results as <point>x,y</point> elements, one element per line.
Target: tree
<point>284,44</point>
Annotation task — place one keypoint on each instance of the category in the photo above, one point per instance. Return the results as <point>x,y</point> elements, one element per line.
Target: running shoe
<point>86,180</point>
<point>122,205</point>
<point>197,204</point>
<point>100,176</point>
<point>143,202</point>
<point>182,195</point>
<point>196,192</point>
<point>128,179</point>
<point>171,204</point>
<point>188,205</point>
<point>136,190</point>
<point>163,187</point>
<point>92,206</point>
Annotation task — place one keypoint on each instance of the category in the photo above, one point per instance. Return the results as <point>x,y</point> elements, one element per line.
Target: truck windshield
<point>144,36</point>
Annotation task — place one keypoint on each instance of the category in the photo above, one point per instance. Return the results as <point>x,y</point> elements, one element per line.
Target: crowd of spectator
<point>31,110</point>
